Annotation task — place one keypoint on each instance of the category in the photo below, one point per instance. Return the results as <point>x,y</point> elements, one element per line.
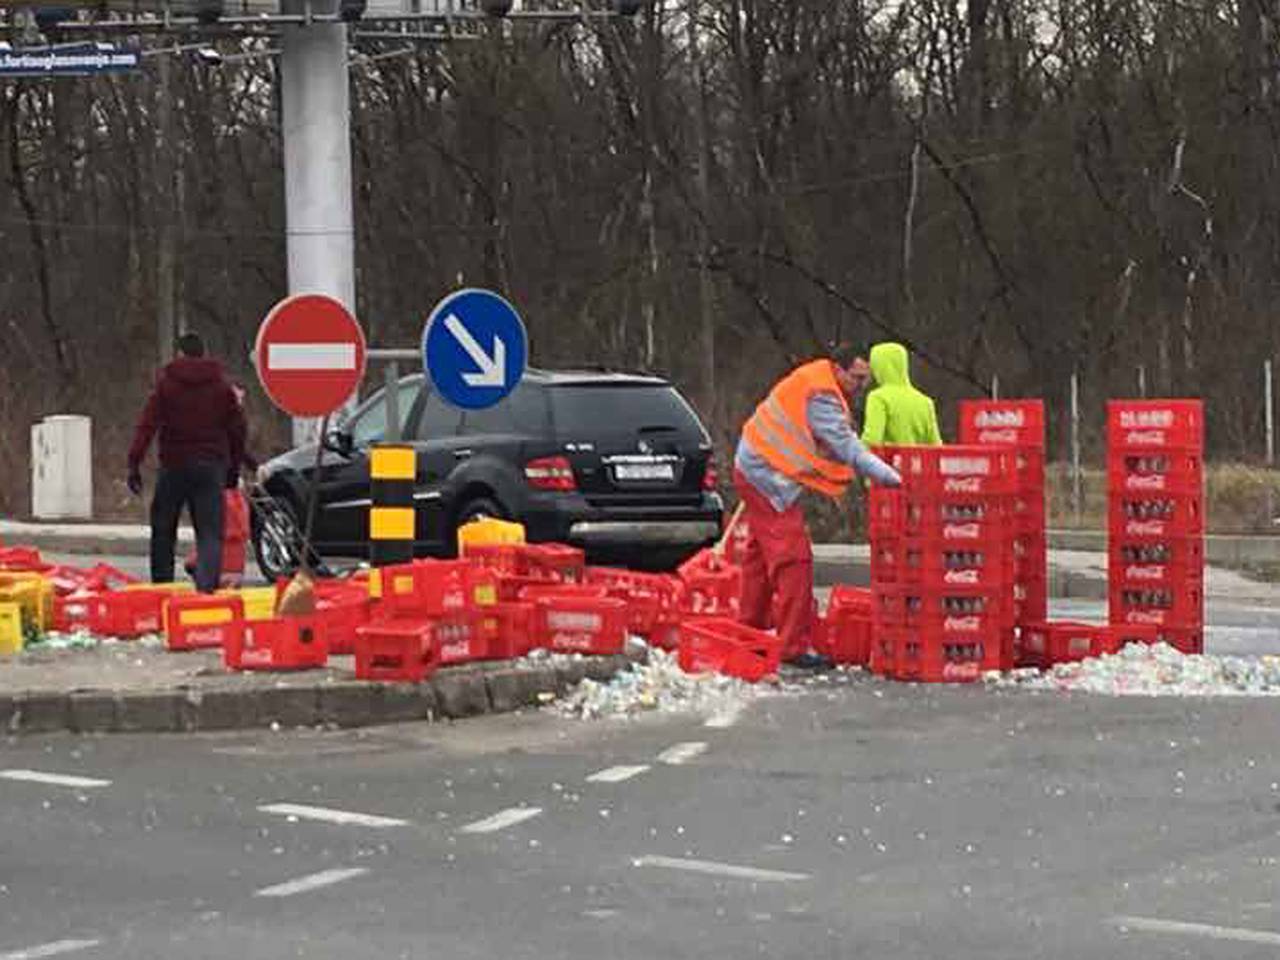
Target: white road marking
<point>682,752</point>
<point>325,878</point>
<point>53,949</point>
<point>53,780</point>
<point>311,356</point>
<point>719,869</point>
<point>1207,930</point>
<point>328,815</point>
<point>617,774</point>
<point>724,719</point>
<point>502,819</point>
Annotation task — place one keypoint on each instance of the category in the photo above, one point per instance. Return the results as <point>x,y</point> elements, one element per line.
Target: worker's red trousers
<point>776,563</point>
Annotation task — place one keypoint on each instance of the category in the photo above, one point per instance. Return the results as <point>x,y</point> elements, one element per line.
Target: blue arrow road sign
<point>474,348</point>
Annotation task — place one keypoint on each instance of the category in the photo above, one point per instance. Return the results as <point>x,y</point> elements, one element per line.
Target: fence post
<point>995,386</point>
<point>1142,380</point>
<point>1076,480</point>
<point>1269,393</point>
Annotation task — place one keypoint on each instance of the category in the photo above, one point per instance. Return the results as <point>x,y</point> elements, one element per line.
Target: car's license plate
<point>644,471</point>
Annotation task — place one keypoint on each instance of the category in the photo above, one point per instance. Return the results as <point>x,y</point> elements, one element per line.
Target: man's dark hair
<point>190,345</point>
<point>843,353</point>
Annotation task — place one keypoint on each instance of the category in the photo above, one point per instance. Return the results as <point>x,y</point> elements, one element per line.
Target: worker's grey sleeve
<point>831,427</point>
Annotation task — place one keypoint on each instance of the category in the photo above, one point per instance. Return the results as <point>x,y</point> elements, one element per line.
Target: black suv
<point>616,463</point>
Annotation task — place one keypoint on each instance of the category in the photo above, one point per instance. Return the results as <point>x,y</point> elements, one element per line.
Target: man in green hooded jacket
<point>897,413</point>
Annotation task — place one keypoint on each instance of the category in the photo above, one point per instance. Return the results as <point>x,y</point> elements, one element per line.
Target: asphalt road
<point>860,820</point>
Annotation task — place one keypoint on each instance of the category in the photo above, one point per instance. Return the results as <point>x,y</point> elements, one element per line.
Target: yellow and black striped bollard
<point>392,470</point>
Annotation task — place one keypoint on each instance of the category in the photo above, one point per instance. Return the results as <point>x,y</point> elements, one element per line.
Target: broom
<point>298,598</point>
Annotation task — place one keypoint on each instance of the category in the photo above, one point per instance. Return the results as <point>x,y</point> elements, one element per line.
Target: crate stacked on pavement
<point>942,564</point>
<point>1156,518</point>
<point>1019,425</point>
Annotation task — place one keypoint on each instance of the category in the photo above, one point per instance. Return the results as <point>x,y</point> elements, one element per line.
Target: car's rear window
<point>597,410</point>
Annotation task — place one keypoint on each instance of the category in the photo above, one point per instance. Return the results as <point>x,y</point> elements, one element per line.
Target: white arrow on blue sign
<point>474,348</point>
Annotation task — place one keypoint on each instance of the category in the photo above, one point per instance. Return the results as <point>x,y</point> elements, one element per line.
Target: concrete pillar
<point>316,122</point>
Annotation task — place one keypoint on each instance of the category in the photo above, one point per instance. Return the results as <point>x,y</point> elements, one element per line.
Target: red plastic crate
<point>928,655</point>
<point>433,588</point>
<point>1148,473</point>
<point>396,651</point>
<point>459,638</point>
<point>1030,601</point>
<point>21,558</point>
<point>1181,606</point>
<point>852,599</point>
<point>1042,644</point>
<point>509,587</point>
<point>1012,423</point>
<point>343,614</point>
<point>543,561</point>
<point>953,469</point>
<point>131,613</point>
<point>952,611</point>
<point>508,630</point>
<point>1164,563</point>
<point>1162,518</point>
<point>1155,423</point>
<point>1189,639</point>
<point>712,592</point>
<point>198,622</point>
<point>581,624</point>
<point>1125,633</point>
<point>905,561</point>
<point>719,645</point>
<point>283,643</point>
<point>845,636</point>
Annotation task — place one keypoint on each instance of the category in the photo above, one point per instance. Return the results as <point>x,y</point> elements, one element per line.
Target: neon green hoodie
<point>897,413</point>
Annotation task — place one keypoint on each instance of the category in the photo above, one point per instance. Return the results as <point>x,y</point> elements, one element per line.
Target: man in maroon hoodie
<point>202,434</point>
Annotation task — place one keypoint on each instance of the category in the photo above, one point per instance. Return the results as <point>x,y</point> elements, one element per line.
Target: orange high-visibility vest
<point>779,430</point>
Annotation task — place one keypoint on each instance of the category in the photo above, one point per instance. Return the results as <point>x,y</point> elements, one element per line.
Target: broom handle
<point>728,529</point>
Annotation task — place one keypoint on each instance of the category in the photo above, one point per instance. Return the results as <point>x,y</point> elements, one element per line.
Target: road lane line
<point>329,815</point>
<point>719,869</point>
<point>325,878</point>
<point>725,719</point>
<point>54,949</point>
<point>617,774</point>
<point>502,819</point>
<point>1207,930</point>
<point>53,780</point>
<point>682,752</point>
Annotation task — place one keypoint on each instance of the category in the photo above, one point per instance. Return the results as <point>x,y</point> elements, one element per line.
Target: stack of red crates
<point>942,564</point>
<point>1155,497</point>
<point>1019,425</point>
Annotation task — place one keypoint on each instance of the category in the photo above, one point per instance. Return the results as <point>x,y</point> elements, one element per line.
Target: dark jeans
<point>198,487</point>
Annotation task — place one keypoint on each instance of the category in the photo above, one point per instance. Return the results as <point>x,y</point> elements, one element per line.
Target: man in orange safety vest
<point>800,436</point>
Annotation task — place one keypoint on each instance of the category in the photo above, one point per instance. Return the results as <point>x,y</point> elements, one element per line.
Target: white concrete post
<point>1077,498</point>
<point>316,123</point>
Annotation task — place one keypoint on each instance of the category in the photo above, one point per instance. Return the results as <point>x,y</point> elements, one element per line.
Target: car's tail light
<point>710,476</point>
<point>550,473</point>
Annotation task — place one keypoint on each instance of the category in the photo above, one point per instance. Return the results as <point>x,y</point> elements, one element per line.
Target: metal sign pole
<point>1076,492</point>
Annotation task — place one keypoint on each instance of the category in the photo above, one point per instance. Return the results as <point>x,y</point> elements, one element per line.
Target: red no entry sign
<point>310,355</point>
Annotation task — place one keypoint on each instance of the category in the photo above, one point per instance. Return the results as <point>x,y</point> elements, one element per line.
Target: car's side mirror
<point>339,442</point>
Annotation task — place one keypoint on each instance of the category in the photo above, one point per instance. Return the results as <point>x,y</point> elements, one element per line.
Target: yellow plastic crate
<point>171,587</point>
<point>11,639</point>
<point>488,531</point>
<point>33,594</point>
<point>259,602</point>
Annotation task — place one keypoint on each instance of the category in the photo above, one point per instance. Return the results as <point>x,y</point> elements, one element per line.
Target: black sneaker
<point>812,661</point>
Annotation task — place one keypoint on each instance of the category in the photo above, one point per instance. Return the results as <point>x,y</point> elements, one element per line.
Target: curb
<point>453,693</point>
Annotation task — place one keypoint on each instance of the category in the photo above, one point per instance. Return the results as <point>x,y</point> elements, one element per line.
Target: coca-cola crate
<point>396,651</point>
<point>1042,644</point>
<point>1132,518</point>
<point>508,629</point>
<point>1153,473</point>
<point>131,613</point>
<point>343,613</point>
<point>1122,634</point>
<point>844,597</point>
<point>968,470</point>
<point>1154,424</point>
<point>22,558</point>
<point>908,561</point>
<point>713,593</point>
<point>653,599</point>
<point>433,588</point>
<point>543,561</point>
<point>581,624</point>
<point>510,587</point>
<point>1010,423</point>
<point>199,622</point>
<point>929,655</point>
<point>1180,606</point>
<point>845,636</point>
<point>1030,600</point>
<point>1029,514</point>
<point>459,637</point>
<point>954,611</point>
<point>720,645</point>
<point>282,643</point>
<point>976,519</point>
<point>1158,563</point>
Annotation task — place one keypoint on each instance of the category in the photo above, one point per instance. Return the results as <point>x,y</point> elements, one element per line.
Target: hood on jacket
<point>889,365</point>
<point>192,370</point>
